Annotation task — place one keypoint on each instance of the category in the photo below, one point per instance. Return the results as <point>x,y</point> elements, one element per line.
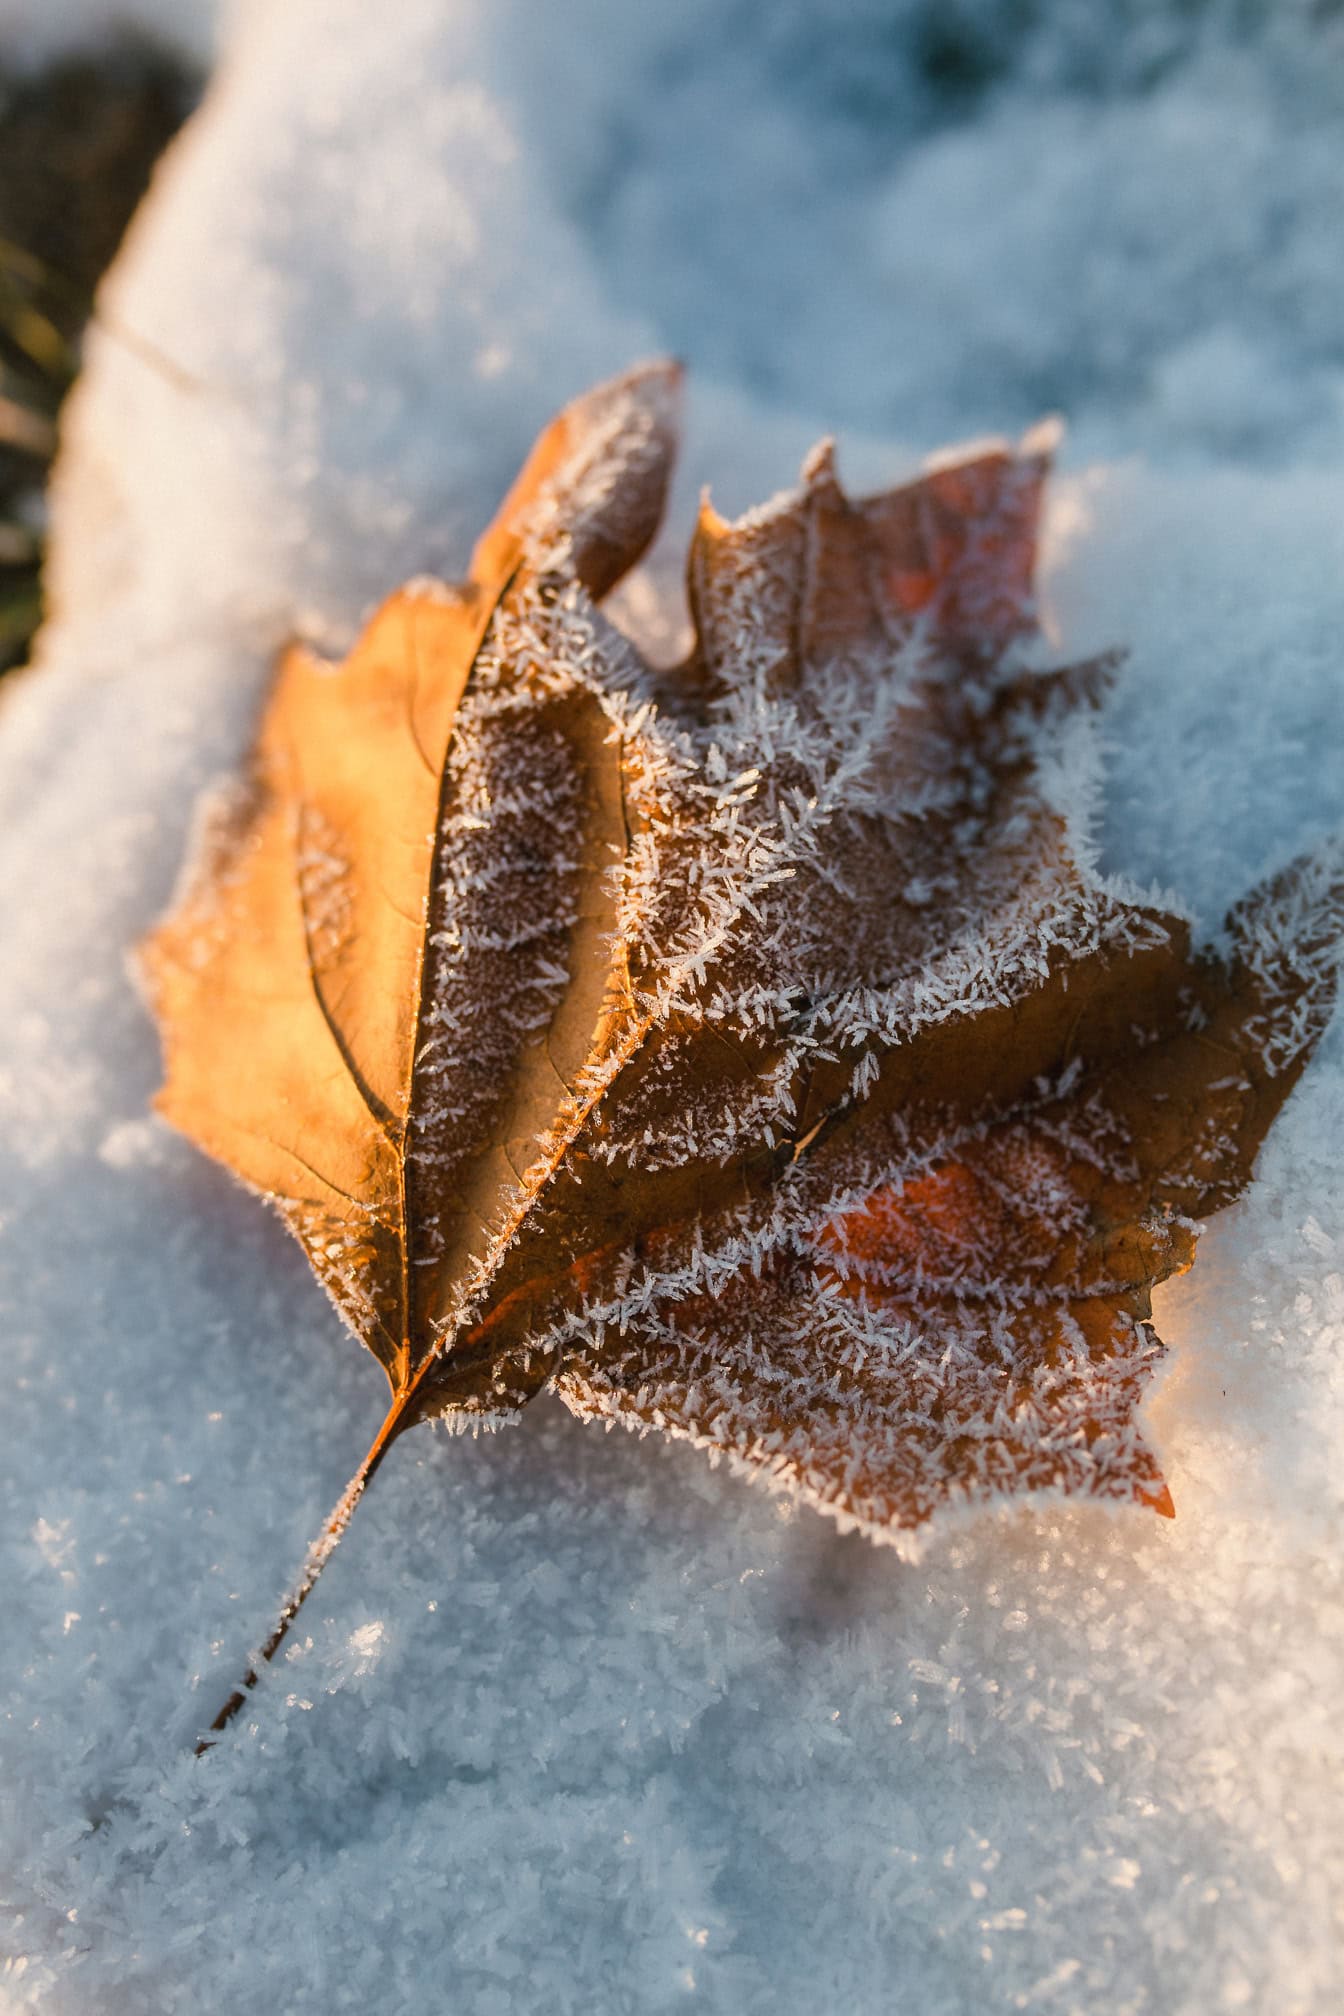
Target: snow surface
<point>577,1722</point>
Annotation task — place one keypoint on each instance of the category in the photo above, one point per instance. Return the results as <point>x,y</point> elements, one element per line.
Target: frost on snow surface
<point>576,1722</point>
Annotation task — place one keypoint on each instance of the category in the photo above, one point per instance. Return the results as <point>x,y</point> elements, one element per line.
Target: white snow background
<point>574,1722</point>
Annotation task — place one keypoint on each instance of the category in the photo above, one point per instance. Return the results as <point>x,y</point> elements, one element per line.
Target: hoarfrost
<point>633,1724</point>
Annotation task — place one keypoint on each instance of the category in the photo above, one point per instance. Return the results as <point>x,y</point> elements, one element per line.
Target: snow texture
<point>576,1722</point>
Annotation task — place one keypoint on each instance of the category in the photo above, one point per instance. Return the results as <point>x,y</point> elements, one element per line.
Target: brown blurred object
<point>78,142</point>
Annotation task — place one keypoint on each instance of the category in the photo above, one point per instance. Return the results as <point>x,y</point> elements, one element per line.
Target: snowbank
<point>574,1722</point>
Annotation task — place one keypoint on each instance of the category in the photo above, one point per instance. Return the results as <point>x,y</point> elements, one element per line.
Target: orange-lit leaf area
<point>973,1329</point>
<point>747,1048</point>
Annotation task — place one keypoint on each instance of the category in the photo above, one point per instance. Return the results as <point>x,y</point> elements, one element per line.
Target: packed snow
<point>577,1722</point>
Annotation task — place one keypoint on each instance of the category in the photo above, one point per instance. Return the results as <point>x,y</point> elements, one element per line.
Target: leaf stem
<point>319,1554</point>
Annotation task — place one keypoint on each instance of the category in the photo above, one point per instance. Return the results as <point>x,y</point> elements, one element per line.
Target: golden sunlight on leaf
<point>746,1049</point>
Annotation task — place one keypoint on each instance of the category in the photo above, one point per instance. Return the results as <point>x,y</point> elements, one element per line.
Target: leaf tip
<point>1042,440</point>
<point>818,471</point>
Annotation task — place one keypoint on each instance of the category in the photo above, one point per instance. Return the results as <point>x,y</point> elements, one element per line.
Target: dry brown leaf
<point>747,1049</point>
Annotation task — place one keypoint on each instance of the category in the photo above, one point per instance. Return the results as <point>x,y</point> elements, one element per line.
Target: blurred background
<point>922,218</point>
<point>79,134</point>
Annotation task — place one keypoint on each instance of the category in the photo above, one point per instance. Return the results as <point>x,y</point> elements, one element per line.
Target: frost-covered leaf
<point>749,1048</point>
<point>395,980</point>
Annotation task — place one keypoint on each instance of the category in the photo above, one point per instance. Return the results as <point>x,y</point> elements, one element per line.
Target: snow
<point>575,1721</point>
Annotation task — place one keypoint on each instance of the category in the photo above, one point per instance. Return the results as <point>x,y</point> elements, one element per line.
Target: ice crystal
<point>745,1048</point>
